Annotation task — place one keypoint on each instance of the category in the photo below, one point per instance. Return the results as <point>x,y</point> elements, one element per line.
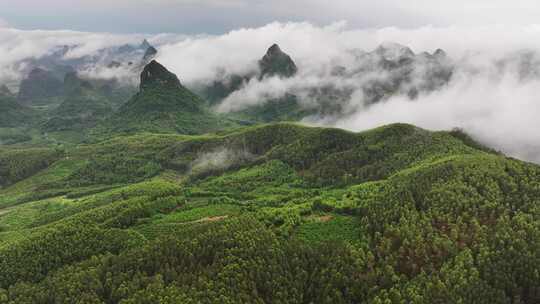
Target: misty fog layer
<point>491,94</point>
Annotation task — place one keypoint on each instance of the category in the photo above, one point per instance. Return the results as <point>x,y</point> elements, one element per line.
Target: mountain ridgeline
<point>160,199</point>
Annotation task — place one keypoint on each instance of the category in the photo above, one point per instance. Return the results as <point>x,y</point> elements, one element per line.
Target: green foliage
<point>286,108</point>
<point>9,136</point>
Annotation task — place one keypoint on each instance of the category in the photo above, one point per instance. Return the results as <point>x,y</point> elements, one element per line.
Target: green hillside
<point>277,213</point>
<point>13,114</point>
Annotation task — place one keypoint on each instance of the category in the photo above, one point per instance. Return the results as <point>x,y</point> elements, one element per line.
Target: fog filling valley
<point>491,94</point>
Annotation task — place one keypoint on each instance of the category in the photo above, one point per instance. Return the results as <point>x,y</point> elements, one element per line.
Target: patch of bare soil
<point>324,219</point>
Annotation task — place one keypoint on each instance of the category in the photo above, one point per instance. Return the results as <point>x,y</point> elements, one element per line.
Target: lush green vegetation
<point>160,200</point>
<point>277,63</point>
<point>13,114</point>
<point>275,213</point>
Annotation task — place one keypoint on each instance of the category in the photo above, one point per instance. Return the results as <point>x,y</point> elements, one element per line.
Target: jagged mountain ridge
<point>388,70</point>
<point>330,101</point>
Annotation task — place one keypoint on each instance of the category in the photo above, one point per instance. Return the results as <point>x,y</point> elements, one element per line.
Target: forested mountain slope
<point>275,213</point>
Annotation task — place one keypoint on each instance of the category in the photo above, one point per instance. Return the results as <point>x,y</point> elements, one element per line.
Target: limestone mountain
<point>276,63</point>
<point>14,114</point>
<point>162,105</point>
<point>149,54</point>
<point>405,72</point>
<point>156,75</point>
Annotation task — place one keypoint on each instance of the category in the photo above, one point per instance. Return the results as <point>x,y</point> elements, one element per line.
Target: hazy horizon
<point>221,16</point>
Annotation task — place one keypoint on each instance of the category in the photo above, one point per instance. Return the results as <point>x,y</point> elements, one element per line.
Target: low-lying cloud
<point>502,113</point>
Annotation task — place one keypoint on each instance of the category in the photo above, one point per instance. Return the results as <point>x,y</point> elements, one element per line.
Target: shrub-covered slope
<point>278,213</point>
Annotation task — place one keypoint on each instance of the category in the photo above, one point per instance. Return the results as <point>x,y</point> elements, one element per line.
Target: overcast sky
<point>219,16</point>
